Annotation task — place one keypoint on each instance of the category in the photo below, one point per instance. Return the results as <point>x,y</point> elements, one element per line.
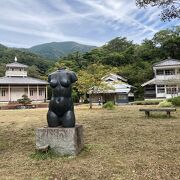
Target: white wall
<point>16,73</point>
<point>17,92</point>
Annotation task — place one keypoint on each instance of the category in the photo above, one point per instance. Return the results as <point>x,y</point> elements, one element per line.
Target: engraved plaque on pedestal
<point>64,141</point>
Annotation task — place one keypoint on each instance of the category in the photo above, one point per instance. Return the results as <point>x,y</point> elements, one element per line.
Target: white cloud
<point>85,21</point>
<point>119,12</point>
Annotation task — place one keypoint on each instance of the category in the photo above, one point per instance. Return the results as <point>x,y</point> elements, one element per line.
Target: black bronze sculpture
<point>61,109</point>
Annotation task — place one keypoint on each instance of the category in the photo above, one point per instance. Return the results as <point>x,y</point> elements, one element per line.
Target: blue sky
<point>24,23</point>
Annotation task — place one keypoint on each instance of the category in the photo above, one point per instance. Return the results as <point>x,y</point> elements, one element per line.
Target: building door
<point>16,93</point>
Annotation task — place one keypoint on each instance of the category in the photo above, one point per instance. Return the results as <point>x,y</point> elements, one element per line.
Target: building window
<point>171,89</point>
<point>170,72</point>
<point>31,92</point>
<point>3,92</point>
<point>160,89</point>
<point>41,92</point>
<point>12,69</point>
<point>160,72</point>
<point>178,71</point>
<point>122,96</point>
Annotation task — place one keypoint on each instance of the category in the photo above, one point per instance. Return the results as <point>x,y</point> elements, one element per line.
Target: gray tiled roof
<point>114,77</point>
<point>21,80</point>
<point>16,64</point>
<point>167,62</point>
<point>114,88</point>
<point>157,81</point>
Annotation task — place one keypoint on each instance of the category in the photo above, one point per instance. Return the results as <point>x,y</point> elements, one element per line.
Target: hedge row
<point>146,102</point>
<point>175,101</point>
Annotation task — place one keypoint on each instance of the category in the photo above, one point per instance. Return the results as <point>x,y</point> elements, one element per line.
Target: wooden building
<point>166,81</point>
<point>16,83</point>
<point>118,91</point>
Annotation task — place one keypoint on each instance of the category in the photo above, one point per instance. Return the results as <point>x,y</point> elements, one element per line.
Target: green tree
<point>91,78</point>
<point>136,74</point>
<point>114,59</point>
<point>74,61</point>
<point>33,71</point>
<point>118,44</point>
<point>148,51</point>
<point>65,63</point>
<point>170,8</point>
<point>96,55</point>
<point>169,41</point>
<point>2,69</point>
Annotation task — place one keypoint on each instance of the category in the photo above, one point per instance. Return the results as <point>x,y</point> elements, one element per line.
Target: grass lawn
<point>120,144</point>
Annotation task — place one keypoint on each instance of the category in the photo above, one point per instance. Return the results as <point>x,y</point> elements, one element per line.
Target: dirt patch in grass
<point>120,144</point>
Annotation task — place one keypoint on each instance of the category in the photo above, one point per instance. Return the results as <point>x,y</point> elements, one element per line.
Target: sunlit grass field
<point>119,144</point>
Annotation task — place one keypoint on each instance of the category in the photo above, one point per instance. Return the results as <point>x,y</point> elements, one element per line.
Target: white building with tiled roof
<point>16,83</point>
<point>166,81</point>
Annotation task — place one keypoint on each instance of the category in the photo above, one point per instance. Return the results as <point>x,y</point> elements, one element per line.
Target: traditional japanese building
<point>116,90</point>
<point>166,81</point>
<point>16,83</point>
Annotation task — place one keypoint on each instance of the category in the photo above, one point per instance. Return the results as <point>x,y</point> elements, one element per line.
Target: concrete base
<point>64,141</point>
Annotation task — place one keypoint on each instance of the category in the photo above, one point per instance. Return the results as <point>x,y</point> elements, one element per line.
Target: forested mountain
<point>56,50</point>
<point>37,65</point>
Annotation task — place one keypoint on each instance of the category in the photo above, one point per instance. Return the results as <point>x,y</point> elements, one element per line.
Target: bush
<point>109,105</point>
<point>147,102</point>
<point>175,101</point>
<point>165,103</point>
<point>25,100</point>
<point>86,101</point>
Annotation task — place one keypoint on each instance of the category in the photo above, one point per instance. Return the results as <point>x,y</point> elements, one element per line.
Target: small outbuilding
<point>16,83</point>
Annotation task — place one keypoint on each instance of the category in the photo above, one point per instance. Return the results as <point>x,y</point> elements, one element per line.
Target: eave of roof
<point>156,81</point>
<point>22,81</point>
<point>148,82</point>
<point>16,64</point>
<point>160,64</point>
<point>110,75</point>
<point>114,88</point>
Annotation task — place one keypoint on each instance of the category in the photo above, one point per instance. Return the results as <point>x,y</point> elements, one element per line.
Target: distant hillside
<point>55,50</point>
<point>7,56</point>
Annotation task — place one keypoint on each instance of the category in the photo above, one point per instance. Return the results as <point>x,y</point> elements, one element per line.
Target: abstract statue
<point>61,108</point>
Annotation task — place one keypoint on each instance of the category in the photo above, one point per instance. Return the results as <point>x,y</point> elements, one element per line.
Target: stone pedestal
<point>64,141</point>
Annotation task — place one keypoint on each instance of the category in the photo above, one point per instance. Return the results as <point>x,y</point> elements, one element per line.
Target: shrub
<point>175,101</point>
<point>25,100</point>
<point>86,101</point>
<point>165,103</point>
<point>109,105</point>
<point>147,102</point>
